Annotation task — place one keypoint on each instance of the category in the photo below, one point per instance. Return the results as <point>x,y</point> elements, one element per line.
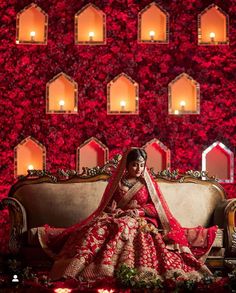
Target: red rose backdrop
<point>25,70</point>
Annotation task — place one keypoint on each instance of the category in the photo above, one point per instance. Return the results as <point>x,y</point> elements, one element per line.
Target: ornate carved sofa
<point>40,198</point>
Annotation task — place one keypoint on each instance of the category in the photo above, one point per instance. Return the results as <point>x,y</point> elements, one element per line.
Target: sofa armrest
<point>18,222</point>
<point>224,217</point>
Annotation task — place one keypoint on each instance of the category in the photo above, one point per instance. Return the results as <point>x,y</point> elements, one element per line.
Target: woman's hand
<point>134,213</point>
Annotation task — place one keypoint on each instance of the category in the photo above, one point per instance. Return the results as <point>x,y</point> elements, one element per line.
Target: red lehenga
<point>124,230</point>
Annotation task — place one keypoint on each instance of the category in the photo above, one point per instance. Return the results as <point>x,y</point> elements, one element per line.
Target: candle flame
<point>61,102</point>
<point>91,34</point>
<point>152,33</point>
<point>30,167</point>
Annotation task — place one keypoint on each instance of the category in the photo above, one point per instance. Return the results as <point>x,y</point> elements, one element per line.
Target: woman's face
<point>136,168</point>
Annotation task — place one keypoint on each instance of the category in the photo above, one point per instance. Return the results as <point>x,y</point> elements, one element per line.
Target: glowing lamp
<point>32,35</point>
<point>182,105</point>
<point>91,35</point>
<point>30,167</point>
<point>152,35</point>
<point>212,36</point>
<point>62,290</point>
<point>105,291</point>
<point>122,105</point>
<point>61,104</point>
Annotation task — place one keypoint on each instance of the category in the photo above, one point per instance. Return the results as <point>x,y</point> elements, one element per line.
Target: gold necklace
<point>126,183</point>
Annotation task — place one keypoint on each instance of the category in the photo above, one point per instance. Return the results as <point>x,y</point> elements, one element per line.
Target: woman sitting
<point>124,230</point>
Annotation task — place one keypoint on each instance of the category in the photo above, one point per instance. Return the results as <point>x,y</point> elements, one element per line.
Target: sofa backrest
<point>63,204</point>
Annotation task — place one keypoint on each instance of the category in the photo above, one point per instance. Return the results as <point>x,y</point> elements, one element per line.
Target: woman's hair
<point>136,155</point>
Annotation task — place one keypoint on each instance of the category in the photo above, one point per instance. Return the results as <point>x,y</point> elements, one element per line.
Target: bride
<point>125,230</point>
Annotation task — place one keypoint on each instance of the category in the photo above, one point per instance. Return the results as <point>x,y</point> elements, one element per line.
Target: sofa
<point>63,200</point>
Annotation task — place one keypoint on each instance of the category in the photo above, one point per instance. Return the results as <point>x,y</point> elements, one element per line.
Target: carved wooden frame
<point>103,146</point>
<point>231,156</point>
<point>45,26</point>
<point>197,88</point>
<point>135,84</point>
<point>23,142</point>
<point>200,31</point>
<point>91,43</point>
<point>166,41</point>
<point>75,95</point>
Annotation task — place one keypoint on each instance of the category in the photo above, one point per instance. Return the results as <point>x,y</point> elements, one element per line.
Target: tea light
<point>176,112</point>
<point>212,36</point>
<point>32,36</point>
<point>91,35</point>
<point>105,291</point>
<point>152,34</point>
<point>62,290</point>
<point>61,104</point>
<point>182,105</point>
<point>122,105</point>
<point>30,167</point>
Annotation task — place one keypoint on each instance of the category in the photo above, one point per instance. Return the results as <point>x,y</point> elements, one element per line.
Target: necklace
<point>126,183</point>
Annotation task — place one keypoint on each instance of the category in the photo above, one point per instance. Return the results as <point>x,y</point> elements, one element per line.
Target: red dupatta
<point>174,233</point>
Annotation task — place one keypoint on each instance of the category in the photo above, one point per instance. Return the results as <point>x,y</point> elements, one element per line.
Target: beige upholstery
<point>192,204</point>
<point>62,205</point>
<point>59,205</point>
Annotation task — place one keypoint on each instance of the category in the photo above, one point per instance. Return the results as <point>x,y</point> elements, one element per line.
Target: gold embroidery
<point>157,202</point>
<point>129,195</point>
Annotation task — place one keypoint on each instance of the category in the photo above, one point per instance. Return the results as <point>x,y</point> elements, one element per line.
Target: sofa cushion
<point>64,204</point>
<point>192,204</point>
<point>59,205</point>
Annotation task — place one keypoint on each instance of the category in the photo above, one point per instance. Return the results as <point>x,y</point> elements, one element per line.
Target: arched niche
<point>153,24</point>
<point>184,95</point>
<point>91,153</point>
<point>122,95</point>
<point>90,26</point>
<point>213,26</point>
<point>31,25</point>
<point>29,154</point>
<point>61,95</point>
<point>158,155</point>
<point>218,161</point>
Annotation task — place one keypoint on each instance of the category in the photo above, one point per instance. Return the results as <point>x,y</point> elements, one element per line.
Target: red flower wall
<point>25,70</point>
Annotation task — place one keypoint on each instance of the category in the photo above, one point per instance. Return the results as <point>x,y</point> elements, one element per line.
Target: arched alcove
<point>29,154</point>
<point>184,95</point>
<point>31,25</point>
<point>61,95</point>
<point>153,24</point>
<point>218,161</point>
<point>122,95</point>
<point>158,155</point>
<point>91,153</point>
<point>90,26</point>
<point>213,26</point>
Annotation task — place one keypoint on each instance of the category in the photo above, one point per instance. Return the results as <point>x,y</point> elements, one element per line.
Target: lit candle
<point>212,36</point>
<point>105,291</point>
<point>62,290</point>
<point>152,34</point>
<point>122,105</point>
<point>30,167</point>
<point>61,104</point>
<point>176,112</point>
<point>182,105</point>
<point>91,35</point>
<point>32,35</point>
